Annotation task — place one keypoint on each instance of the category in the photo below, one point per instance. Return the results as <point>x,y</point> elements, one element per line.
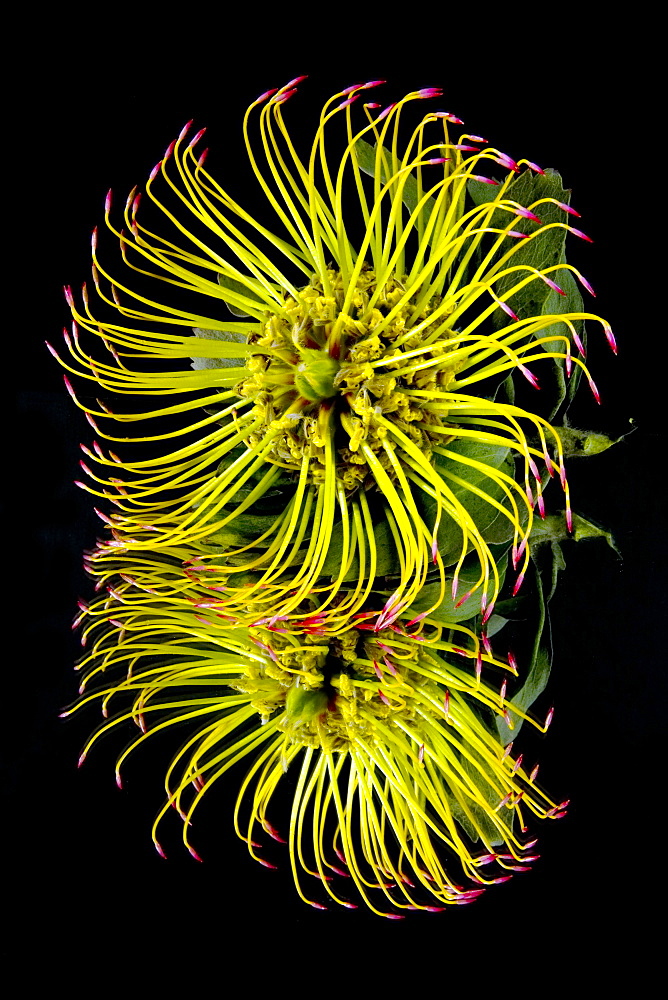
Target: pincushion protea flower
<point>354,389</point>
<point>339,480</point>
<point>395,766</point>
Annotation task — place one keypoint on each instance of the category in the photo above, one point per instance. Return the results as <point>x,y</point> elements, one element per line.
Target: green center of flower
<point>315,375</point>
<point>365,364</point>
<point>328,692</point>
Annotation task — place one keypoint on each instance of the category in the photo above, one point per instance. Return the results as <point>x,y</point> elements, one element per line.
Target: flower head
<point>398,775</point>
<point>361,372</point>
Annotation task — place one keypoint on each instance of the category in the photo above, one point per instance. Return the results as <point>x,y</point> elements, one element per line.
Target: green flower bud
<point>315,375</point>
<point>302,705</point>
<point>577,443</point>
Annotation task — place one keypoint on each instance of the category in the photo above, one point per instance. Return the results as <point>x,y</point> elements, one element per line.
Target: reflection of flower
<point>341,472</point>
<point>394,766</point>
<point>356,369</point>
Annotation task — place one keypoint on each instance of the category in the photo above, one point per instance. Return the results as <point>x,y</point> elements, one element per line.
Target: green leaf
<point>240,291</point>
<point>447,612</point>
<point>495,624</point>
<point>541,251</point>
<point>553,529</point>
<point>217,349</point>
<point>366,159</point>
<point>539,667</point>
<point>461,817</point>
<point>586,529</point>
<point>555,304</point>
<point>388,563</point>
<point>533,686</point>
<point>463,479</point>
<point>244,527</point>
<point>479,819</point>
<point>480,192</point>
<point>582,444</point>
<point>506,391</point>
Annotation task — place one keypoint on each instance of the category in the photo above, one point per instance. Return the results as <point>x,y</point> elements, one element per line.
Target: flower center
<point>315,375</point>
<point>365,365</point>
<point>328,691</point>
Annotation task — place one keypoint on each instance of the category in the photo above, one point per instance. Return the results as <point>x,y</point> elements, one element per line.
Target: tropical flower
<point>310,535</point>
<point>361,375</point>
<point>398,773</point>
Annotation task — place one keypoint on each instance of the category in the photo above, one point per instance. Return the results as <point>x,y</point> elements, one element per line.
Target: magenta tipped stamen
<point>506,308</point>
<point>553,284</point>
<point>529,376</point>
<point>594,389</point>
<point>526,214</point>
<point>580,234</point>
<point>386,111</point>
<point>294,83</point>
<point>610,337</point>
<point>506,161</point>
<point>578,343</point>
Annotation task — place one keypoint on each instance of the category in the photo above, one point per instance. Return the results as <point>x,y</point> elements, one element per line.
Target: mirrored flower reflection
<point>405,796</point>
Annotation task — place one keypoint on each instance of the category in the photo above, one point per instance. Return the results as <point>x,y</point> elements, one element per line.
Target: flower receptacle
<point>303,705</point>
<point>315,375</point>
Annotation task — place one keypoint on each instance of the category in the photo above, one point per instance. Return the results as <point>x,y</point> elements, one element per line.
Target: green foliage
<point>546,249</point>
<point>472,817</point>
<point>447,611</point>
<point>553,530</point>
<point>387,563</point>
<point>303,705</point>
<point>543,250</point>
<point>239,296</point>
<point>581,444</point>
<point>224,352</point>
<point>473,488</point>
<point>538,672</point>
<point>548,560</point>
<point>534,685</point>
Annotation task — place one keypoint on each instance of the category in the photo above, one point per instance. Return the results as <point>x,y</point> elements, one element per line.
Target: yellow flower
<point>398,775</point>
<point>351,385</point>
<point>313,524</point>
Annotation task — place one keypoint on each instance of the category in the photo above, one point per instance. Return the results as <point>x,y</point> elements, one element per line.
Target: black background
<point>84,878</point>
